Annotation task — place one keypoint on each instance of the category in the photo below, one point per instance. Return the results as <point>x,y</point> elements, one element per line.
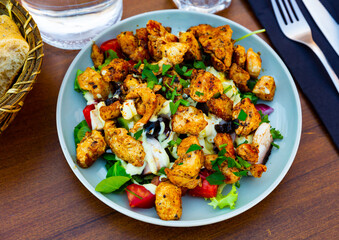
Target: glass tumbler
<point>70,24</point>
<point>205,6</point>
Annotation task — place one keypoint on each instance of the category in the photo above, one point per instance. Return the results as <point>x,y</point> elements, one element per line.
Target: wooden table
<point>41,198</point>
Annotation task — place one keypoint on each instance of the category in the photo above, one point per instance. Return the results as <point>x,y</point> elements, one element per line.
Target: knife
<point>325,22</point>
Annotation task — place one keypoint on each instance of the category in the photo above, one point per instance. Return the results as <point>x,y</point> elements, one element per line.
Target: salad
<point>174,115</point>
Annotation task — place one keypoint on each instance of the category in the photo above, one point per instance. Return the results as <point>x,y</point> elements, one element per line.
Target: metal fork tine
<point>277,13</point>
<point>297,11</point>
<point>290,11</point>
<point>282,7</point>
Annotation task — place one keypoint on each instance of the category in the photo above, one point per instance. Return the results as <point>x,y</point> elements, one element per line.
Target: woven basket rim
<point>12,101</point>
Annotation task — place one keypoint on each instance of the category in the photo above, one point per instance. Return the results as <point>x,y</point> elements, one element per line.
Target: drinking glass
<point>205,6</point>
<point>70,24</point>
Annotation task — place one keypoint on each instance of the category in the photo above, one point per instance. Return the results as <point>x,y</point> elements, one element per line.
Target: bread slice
<point>13,52</point>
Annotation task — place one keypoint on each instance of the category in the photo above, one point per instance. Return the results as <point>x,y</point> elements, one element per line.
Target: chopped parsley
<point>249,95</point>
<point>165,68</point>
<point>193,147</point>
<point>241,173</point>
<point>275,145</point>
<point>199,65</point>
<point>264,118</point>
<point>276,134</point>
<point>243,163</point>
<point>242,115</point>
<point>199,93</point>
<point>138,134</point>
<point>174,106</point>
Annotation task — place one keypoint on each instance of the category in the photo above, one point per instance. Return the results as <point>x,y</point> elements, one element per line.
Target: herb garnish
<point>242,115</point>
<point>193,147</point>
<point>199,93</point>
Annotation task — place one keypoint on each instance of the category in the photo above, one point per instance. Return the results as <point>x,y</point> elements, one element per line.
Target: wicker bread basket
<point>12,101</point>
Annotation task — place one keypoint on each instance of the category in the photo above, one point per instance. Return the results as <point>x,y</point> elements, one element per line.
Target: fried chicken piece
<point>123,145</point>
<point>257,170</point>
<point>110,112</point>
<point>188,120</point>
<point>185,171</point>
<point>248,152</point>
<point>201,29</point>
<point>230,177</point>
<point>193,52</point>
<point>97,56</point>
<point>149,100</point>
<point>239,56</point>
<point>219,44</point>
<point>185,145</point>
<point>265,88</point>
<point>204,85</point>
<point>240,77</point>
<point>91,147</point>
<point>91,81</point>
<point>130,83</point>
<point>168,202</point>
<point>116,70</point>
<point>160,101</point>
<point>222,107</point>
<point>172,53</point>
<point>157,37</point>
<point>135,47</point>
<point>253,63</point>
<point>222,139</point>
<point>252,120</point>
<point>208,161</point>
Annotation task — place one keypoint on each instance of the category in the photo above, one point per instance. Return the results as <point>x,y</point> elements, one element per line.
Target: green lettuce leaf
<point>223,201</point>
<point>111,184</point>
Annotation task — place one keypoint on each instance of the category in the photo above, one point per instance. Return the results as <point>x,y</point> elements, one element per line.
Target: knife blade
<point>325,22</point>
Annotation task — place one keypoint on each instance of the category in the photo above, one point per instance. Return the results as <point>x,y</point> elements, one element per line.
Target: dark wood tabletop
<point>41,198</point>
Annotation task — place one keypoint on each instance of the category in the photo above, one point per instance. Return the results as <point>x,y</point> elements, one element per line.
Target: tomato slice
<point>112,44</point>
<point>144,198</point>
<point>87,114</point>
<point>206,190</point>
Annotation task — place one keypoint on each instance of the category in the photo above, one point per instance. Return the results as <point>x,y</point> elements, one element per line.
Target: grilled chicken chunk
<point>188,120</point>
<point>248,152</point>
<point>265,88</point>
<point>252,120</point>
<point>185,171</point>
<point>110,112</point>
<point>158,36</point>
<point>91,81</point>
<point>218,43</point>
<point>123,145</point>
<point>239,56</point>
<point>240,77</point>
<point>253,63</point>
<point>193,52</point>
<point>168,201</point>
<point>149,100</point>
<point>204,85</point>
<point>116,70</point>
<point>97,56</point>
<point>222,107</point>
<point>262,140</point>
<point>135,47</point>
<point>91,147</point>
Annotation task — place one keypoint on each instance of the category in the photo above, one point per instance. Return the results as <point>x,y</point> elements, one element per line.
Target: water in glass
<point>205,6</point>
<point>70,24</point>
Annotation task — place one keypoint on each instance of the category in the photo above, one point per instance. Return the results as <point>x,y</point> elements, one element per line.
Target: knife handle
<point>324,61</point>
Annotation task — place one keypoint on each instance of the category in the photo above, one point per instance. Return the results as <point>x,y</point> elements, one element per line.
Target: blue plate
<point>286,117</point>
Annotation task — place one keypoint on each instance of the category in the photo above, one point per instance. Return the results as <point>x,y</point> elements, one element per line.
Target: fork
<point>293,24</point>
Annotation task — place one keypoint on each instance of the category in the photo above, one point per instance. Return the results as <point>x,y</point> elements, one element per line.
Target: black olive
<point>224,127</point>
<point>111,100</point>
<point>152,129</point>
<point>203,107</point>
<point>183,136</point>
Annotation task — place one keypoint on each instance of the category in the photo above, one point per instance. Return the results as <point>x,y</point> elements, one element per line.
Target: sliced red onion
<point>265,109</point>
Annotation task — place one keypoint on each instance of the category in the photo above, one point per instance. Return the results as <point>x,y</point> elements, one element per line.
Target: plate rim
<point>180,223</point>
